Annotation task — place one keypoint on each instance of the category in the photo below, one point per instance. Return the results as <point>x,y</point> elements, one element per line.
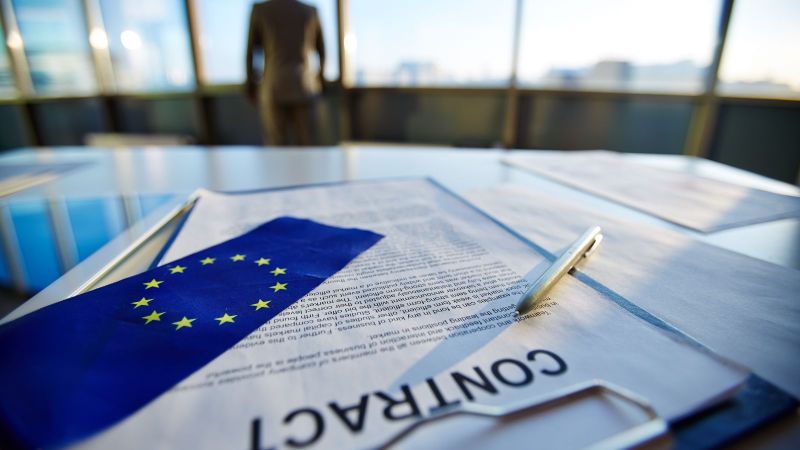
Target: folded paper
<point>78,366</point>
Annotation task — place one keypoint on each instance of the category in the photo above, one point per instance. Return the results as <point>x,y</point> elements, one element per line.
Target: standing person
<point>286,32</point>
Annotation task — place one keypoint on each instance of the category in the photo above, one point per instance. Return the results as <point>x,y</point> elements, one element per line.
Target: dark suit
<point>286,31</point>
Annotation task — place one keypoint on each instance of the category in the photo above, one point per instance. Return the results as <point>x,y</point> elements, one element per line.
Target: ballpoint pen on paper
<point>581,248</point>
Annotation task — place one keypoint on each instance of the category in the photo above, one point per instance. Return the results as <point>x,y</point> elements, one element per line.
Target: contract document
<point>423,319</point>
<point>692,201</point>
<point>742,308</point>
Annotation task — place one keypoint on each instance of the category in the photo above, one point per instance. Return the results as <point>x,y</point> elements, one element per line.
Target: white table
<point>181,170</point>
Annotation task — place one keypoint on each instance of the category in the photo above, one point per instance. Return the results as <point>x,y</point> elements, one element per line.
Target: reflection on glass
<point>36,242</point>
<point>761,55</point>
<point>53,34</point>
<point>94,222</point>
<point>420,42</point>
<point>149,44</point>
<point>618,44</point>
<point>6,77</point>
<point>223,36</point>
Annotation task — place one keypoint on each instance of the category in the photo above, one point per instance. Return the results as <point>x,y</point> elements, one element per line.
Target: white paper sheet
<point>743,308</point>
<point>692,201</point>
<point>432,301</point>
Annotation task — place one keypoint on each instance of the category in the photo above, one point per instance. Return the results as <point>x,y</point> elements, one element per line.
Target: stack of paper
<point>743,308</point>
<point>692,201</point>
<point>421,320</point>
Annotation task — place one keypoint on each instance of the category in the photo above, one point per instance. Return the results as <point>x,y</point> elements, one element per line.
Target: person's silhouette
<point>286,32</point>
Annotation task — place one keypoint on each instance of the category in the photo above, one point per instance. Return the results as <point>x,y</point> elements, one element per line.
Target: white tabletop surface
<point>181,170</point>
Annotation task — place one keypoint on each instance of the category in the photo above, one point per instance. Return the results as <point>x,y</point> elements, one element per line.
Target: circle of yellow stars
<point>186,322</point>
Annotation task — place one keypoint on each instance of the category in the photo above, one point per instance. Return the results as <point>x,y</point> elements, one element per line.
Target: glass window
<point>6,76</point>
<point>53,34</point>
<point>223,38</point>
<point>761,56</point>
<point>149,44</point>
<point>618,44</point>
<point>424,42</point>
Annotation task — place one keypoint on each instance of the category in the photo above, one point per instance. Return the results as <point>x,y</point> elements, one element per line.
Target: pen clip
<point>595,244</point>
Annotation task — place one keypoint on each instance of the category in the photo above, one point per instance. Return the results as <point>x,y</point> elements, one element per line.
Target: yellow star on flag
<point>187,323</point>
<point>177,269</point>
<point>141,302</point>
<point>278,271</point>
<point>152,284</point>
<point>279,287</point>
<point>262,262</point>
<point>237,257</point>
<point>206,261</point>
<point>153,316</point>
<point>261,304</point>
<point>225,318</point>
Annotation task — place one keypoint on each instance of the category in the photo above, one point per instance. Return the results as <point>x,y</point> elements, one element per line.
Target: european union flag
<point>74,368</point>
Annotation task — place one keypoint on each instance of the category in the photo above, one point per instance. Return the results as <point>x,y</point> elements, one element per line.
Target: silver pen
<point>583,247</point>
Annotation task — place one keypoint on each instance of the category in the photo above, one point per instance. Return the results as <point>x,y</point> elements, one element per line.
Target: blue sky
<point>473,38</point>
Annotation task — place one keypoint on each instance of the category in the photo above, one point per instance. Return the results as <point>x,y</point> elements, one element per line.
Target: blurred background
<point>713,78</point>
<point>701,77</point>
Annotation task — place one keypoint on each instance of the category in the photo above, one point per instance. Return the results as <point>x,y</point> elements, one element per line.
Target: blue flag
<point>78,366</point>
